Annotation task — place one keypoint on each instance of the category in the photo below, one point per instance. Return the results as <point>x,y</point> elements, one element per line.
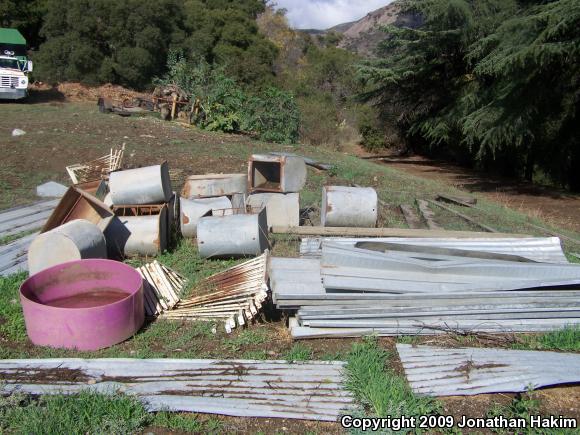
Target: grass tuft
<point>80,414</point>
<point>378,389</point>
<point>11,318</point>
<point>523,406</point>
<point>566,339</point>
<point>298,352</point>
<point>246,337</point>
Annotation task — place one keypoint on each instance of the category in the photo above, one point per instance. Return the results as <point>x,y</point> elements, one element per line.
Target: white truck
<point>14,65</point>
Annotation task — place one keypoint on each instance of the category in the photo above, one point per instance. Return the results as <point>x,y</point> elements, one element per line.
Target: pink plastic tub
<point>83,304</point>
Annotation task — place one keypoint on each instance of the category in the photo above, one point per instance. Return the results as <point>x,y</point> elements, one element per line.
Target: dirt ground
<point>555,206</point>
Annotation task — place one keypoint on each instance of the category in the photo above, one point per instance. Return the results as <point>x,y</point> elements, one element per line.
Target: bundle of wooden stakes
<point>234,296</point>
<point>161,287</point>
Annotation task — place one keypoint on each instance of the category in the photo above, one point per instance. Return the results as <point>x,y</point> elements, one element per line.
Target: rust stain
<point>469,366</point>
<point>45,376</point>
<point>186,191</point>
<point>184,218</point>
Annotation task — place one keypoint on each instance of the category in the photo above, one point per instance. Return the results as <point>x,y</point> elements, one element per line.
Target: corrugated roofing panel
<point>468,371</point>
<point>541,249</point>
<point>306,390</point>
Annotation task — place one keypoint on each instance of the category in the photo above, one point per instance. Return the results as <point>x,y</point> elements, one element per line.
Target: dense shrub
<point>272,114</point>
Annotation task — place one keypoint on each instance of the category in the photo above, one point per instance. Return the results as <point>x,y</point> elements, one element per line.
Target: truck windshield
<point>9,63</point>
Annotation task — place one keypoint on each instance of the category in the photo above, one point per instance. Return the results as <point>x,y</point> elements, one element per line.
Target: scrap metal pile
<point>356,287</point>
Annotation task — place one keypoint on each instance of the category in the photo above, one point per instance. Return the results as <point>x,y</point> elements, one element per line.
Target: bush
<point>373,136</point>
<point>272,115</point>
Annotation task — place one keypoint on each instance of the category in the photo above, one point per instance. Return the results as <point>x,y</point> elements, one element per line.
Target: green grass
<point>299,352</point>
<point>81,414</point>
<point>11,319</point>
<point>245,338</point>
<point>566,339</point>
<point>92,413</point>
<point>378,389</point>
<point>524,406</point>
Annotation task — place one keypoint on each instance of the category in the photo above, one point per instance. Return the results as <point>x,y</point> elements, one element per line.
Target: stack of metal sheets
<point>394,289</point>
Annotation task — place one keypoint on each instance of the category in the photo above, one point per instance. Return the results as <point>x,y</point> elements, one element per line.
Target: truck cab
<point>14,65</point>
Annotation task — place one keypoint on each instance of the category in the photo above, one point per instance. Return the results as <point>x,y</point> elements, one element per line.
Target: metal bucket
<point>75,240</point>
<point>349,207</point>
<point>149,185</point>
<point>84,304</point>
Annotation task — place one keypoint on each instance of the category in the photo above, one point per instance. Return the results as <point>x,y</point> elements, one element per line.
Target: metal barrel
<point>149,185</point>
<point>139,235</point>
<point>75,240</point>
<point>212,185</point>
<point>349,207</point>
<point>192,210</point>
<point>232,236</point>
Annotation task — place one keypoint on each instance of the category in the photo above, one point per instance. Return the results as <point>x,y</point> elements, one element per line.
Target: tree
<point>494,82</point>
<point>127,42</point>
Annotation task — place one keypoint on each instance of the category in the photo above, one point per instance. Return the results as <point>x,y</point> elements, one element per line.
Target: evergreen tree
<point>493,82</point>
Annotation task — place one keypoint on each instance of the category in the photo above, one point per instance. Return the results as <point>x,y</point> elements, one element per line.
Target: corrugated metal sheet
<point>468,371</point>
<point>542,249</point>
<point>303,390</point>
<point>13,256</point>
<point>347,268</point>
<point>20,219</point>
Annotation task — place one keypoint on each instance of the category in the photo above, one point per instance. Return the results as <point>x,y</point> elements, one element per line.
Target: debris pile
<point>393,288</point>
<point>234,296</point>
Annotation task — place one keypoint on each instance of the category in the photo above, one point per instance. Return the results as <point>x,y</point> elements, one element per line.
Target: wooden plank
<point>428,215</point>
<point>387,232</point>
<point>464,217</point>
<point>466,201</point>
<point>410,216</point>
<point>537,227</point>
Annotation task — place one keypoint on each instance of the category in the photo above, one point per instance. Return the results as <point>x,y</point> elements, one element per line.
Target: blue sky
<point>322,14</point>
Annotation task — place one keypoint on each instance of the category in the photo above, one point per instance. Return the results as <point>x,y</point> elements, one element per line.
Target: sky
<point>322,14</point>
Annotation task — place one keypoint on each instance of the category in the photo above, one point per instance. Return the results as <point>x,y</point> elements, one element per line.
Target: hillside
<point>363,36</point>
